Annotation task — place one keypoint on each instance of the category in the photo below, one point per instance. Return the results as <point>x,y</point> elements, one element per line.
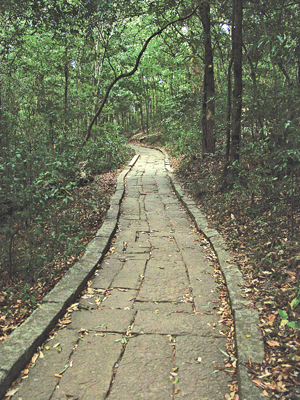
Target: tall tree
<point>208,104</point>
<point>237,42</point>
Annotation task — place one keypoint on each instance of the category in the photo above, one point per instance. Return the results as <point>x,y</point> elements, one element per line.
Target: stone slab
<point>105,320</point>
<point>19,347</point>
<point>131,274</point>
<point>136,226</point>
<point>164,281</point>
<point>164,307</point>
<point>206,297</point>
<point>198,360</point>
<point>92,368</point>
<point>166,244</point>
<point>104,276</point>
<point>248,336</point>
<point>175,324</point>
<point>55,356</point>
<point>144,371</point>
<point>247,389</point>
<point>119,299</point>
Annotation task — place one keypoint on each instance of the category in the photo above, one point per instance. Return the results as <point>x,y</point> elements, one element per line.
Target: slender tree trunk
<point>237,40</point>
<point>66,72</point>
<point>284,71</point>
<point>228,116</point>
<point>147,116</point>
<point>66,87</point>
<point>208,105</point>
<point>141,115</point>
<point>298,64</point>
<point>256,102</point>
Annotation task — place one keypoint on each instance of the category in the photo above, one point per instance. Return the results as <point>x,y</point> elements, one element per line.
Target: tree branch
<point>130,73</point>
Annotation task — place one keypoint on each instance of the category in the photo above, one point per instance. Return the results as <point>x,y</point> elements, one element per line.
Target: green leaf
<point>283,314</point>
<point>294,324</point>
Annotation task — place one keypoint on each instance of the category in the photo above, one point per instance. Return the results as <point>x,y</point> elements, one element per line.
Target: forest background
<point>215,82</point>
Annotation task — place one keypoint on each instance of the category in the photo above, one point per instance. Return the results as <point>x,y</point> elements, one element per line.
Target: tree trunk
<point>208,105</point>
<point>66,87</point>
<point>256,102</point>
<point>147,116</point>
<point>228,116</point>
<point>141,115</point>
<point>66,72</point>
<point>237,40</point>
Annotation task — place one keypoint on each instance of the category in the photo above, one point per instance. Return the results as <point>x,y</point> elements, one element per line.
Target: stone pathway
<point>146,327</point>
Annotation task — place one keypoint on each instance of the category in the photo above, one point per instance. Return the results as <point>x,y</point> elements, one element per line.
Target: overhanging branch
<point>127,74</point>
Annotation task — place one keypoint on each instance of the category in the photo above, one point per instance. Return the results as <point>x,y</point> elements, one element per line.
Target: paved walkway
<point>146,327</point>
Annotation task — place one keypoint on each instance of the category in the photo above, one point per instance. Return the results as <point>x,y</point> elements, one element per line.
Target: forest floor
<point>259,234</point>
<point>260,240</point>
<point>20,296</point>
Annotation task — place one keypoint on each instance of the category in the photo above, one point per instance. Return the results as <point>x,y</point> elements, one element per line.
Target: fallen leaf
<point>64,369</point>
<point>273,343</point>
<point>11,392</point>
<point>259,383</point>
<point>34,358</point>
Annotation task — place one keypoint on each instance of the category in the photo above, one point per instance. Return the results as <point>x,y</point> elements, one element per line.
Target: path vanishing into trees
<point>146,327</point>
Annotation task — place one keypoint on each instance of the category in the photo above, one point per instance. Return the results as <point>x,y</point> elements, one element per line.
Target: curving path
<point>146,328</point>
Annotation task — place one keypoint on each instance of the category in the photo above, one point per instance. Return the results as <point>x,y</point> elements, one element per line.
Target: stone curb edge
<point>17,350</point>
<point>248,335</point>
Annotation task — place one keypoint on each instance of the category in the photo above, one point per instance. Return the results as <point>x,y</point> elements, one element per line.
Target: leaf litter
<point>15,307</point>
<point>258,235</point>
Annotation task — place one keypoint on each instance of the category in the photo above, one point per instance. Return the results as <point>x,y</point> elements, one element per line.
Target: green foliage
<point>181,122</point>
<point>285,318</point>
<point>57,59</point>
<point>106,153</point>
